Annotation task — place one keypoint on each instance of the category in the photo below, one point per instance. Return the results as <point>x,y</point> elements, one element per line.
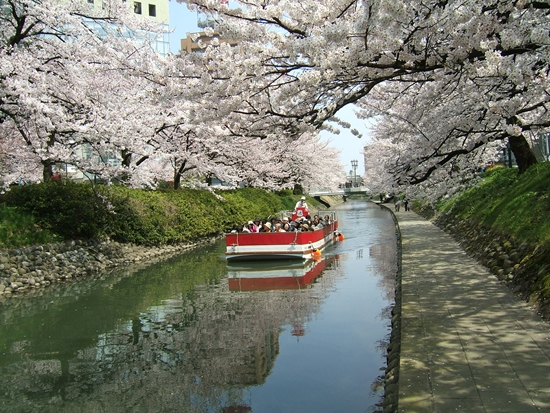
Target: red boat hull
<point>279,245</point>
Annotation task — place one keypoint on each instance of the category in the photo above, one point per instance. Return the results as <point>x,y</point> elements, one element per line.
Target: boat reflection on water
<point>275,275</point>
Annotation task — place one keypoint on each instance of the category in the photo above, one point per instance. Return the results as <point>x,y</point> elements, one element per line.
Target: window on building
<point>152,10</point>
<point>137,7</point>
<point>91,1</point>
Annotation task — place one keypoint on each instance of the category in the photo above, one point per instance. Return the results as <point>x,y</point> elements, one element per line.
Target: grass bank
<point>59,211</point>
<point>504,223</point>
<point>514,205</point>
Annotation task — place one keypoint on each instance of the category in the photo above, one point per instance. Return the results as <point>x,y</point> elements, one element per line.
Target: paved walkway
<point>468,344</point>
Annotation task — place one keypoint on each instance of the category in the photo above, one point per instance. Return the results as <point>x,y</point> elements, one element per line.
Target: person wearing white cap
<point>301,203</point>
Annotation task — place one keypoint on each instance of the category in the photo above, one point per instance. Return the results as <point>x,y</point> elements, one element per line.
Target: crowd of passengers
<point>302,224</point>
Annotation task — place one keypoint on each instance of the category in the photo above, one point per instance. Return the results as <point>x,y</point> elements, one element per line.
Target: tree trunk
<point>177,175</point>
<point>47,171</point>
<point>126,157</point>
<point>177,180</point>
<point>525,157</point>
<point>298,189</point>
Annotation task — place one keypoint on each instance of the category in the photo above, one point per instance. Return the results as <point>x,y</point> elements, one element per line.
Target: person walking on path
<point>397,205</point>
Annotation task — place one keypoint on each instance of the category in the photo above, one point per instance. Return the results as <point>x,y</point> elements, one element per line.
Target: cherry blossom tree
<point>206,134</point>
<point>63,68</point>
<point>448,82</point>
<point>284,162</point>
<point>430,127</point>
<point>298,63</point>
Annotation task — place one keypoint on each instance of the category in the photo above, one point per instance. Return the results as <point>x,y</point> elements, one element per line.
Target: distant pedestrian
<point>397,205</point>
<point>406,204</point>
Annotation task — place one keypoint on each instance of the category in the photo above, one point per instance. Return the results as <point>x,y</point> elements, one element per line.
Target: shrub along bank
<point>75,211</point>
<point>504,223</point>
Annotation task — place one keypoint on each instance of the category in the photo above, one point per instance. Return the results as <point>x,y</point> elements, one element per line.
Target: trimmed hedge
<point>18,228</point>
<point>67,209</point>
<point>73,210</point>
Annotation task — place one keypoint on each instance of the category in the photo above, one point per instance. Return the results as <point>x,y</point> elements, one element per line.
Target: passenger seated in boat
<point>279,227</point>
<point>327,220</point>
<point>250,227</point>
<point>258,224</point>
<point>266,227</point>
<point>317,224</point>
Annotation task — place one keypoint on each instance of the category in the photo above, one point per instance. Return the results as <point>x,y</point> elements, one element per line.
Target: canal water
<point>196,334</point>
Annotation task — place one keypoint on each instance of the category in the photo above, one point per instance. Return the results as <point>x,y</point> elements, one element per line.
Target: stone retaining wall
<point>524,267</point>
<point>393,355</point>
<point>39,266</point>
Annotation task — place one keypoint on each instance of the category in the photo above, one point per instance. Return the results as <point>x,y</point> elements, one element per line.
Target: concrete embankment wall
<point>330,201</point>
<point>391,378</point>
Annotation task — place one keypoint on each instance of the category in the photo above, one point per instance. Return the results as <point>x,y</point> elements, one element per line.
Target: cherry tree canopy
<point>448,80</point>
<point>66,87</point>
<point>80,86</point>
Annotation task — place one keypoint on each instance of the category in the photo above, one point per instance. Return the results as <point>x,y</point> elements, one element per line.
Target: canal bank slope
<point>466,342</point>
<point>28,268</point>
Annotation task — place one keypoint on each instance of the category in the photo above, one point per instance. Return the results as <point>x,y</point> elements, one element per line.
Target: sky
<point>183,21</point>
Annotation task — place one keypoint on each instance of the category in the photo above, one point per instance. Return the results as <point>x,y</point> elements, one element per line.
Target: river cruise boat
<point>281,245</point>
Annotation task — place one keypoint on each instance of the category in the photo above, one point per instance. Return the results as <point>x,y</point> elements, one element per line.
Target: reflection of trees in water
<point>193,353</point>
<point>384,258</point>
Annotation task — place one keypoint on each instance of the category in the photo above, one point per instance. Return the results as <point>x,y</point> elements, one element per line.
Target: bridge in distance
<point>345,192</point>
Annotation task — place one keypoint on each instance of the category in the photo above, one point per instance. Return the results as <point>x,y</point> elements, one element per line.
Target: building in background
<point>199,41</point>
<point>156,10</point>
<point>541,147</point>
<point>202,41</point>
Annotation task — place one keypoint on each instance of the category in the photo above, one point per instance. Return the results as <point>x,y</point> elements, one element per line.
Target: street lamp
<point>354,164</point>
